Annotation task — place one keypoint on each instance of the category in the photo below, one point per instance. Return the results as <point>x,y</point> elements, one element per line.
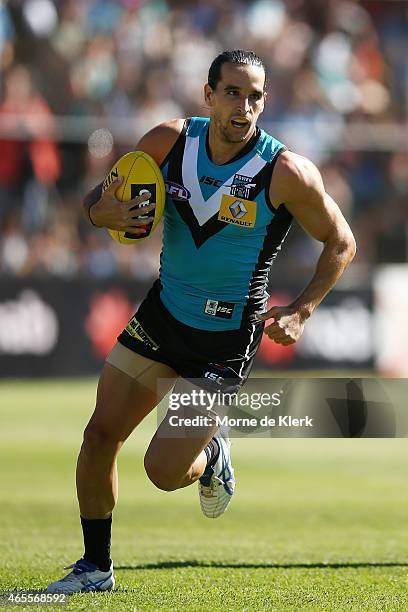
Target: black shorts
<point>222,360</point>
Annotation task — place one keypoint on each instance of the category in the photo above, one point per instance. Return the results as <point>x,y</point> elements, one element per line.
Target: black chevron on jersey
<point>199,233</point>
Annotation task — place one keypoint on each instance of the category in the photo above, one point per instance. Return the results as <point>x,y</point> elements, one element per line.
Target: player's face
<point>237,101</point>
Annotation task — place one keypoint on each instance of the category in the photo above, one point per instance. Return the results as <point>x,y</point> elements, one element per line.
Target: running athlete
<point>232,191</point>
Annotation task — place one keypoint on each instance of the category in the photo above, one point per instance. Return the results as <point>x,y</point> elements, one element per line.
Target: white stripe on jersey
<point>205,209</point>
<point>246,356</point>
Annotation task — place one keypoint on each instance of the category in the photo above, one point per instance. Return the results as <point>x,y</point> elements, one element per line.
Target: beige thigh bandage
<point>140,368</point>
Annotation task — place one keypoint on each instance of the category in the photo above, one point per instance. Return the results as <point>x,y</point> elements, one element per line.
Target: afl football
<point>140,174</point>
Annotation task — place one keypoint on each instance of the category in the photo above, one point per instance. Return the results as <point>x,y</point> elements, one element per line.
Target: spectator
<point>336,93</point>
<point>30,164</point>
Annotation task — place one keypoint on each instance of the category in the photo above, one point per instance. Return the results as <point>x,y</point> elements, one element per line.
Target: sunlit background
<point>82,81</point>
<point>316,523</point>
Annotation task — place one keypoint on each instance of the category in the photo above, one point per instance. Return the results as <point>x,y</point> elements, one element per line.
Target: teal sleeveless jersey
<point>221,232</point>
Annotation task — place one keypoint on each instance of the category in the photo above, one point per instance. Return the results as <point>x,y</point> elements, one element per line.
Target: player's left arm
<point>298,184</point>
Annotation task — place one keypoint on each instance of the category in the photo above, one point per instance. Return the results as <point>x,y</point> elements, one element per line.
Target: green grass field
<point>315,524</point>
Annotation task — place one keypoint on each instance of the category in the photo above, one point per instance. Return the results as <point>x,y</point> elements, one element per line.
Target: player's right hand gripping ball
<point>140,174</point>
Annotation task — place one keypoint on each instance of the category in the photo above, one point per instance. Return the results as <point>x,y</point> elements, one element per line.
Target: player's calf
<point>96,472</point>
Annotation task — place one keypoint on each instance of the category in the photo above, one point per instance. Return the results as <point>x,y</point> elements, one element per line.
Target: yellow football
<point>140,174</point>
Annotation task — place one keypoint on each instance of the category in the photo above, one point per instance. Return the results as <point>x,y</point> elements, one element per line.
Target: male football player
<point>232,193</point>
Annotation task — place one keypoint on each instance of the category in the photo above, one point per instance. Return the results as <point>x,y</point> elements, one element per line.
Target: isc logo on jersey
<point>215,308</point>
<point>237,211</point>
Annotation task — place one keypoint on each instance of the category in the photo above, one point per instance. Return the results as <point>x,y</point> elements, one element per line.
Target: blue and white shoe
<point>84,578</point>
<point>216,486</point>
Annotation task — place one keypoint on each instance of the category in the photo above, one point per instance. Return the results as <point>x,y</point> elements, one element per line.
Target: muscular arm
<point>103,210</point>
<point>298,184</point>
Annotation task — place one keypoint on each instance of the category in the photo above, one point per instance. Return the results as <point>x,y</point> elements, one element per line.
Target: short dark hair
<point>236,56</point>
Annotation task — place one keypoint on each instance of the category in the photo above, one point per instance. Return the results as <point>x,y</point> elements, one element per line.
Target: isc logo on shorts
<point>219,309</point>
<point>214,377</point>
<point>135,330</point>
<point>237,211</point>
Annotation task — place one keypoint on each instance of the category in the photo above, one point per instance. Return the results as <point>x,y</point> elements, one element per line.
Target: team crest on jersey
<point>237,211</point>
<point>241,186</point>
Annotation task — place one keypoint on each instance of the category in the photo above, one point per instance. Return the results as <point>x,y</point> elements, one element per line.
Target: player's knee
<point>161,474</point>
<point>99,437</point>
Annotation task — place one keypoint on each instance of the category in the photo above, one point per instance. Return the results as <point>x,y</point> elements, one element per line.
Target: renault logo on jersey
<point>237,211</point>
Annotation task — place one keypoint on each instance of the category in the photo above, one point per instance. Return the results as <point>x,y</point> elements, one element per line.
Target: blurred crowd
<point>81,81</point>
